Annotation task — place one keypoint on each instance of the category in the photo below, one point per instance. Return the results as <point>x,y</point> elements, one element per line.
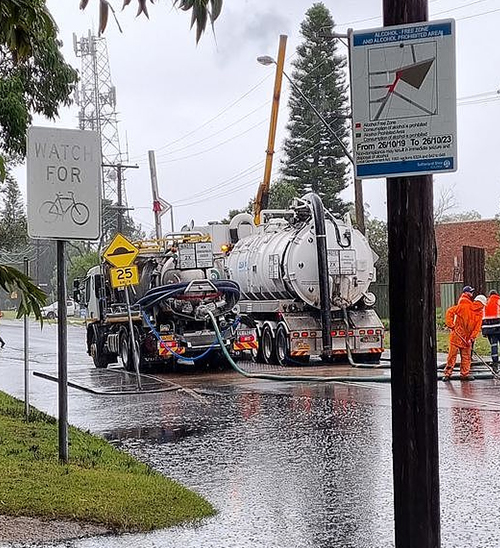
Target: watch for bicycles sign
<point>64,184</point>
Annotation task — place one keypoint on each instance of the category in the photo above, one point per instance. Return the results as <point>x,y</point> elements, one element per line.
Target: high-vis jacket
<point>491,319</point>
<point>464,320</point>
<point>492,308</point>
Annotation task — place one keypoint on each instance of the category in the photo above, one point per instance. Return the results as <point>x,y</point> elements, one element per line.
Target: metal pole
<point>132,338</point>
<point>172,218</point>
<point>262,199</point>
<point>26,355</point>
<point>62,351</point>
<point>413,342</point>
<point>156,197</point>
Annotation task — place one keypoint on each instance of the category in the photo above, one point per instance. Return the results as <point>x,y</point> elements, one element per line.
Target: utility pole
<point>160,206</point>
<point>413,341</point>
<point>120,206</point>
<point>359,206</point>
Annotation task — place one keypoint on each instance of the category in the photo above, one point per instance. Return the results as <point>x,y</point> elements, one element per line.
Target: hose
<point>323,276</point>
<point>289,378</point>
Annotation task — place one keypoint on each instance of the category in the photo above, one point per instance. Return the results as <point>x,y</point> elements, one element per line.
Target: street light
<point>267,60</point>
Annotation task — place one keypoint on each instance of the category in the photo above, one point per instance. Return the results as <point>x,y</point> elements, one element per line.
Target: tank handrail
<point>276,213</point>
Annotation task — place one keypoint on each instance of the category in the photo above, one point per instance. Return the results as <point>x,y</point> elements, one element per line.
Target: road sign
<point>404,99</point>
<point>63,184</point>
<point>127,275</point>
<point>121,252</point>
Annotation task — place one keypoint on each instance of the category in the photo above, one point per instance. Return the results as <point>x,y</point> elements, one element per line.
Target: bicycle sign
<point>53,210</point>
<point>64,184</point>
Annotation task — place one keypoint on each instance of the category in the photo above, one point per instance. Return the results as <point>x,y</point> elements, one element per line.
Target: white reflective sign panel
<point>404,99</point>
<point>64,184</point>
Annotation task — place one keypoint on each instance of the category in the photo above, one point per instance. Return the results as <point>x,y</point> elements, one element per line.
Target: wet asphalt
<point>286,464</point>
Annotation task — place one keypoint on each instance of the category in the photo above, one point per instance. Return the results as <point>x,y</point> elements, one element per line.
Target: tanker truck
<point>304,277</point>
<point>179,280</point>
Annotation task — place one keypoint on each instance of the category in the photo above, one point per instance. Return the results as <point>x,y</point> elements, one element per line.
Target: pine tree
<point>314,160</point>
<point>13,225</point>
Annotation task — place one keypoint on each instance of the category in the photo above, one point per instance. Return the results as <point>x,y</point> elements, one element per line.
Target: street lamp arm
<point>320,116</point>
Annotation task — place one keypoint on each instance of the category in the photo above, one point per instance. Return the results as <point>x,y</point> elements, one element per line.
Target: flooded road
<point>286,464</point>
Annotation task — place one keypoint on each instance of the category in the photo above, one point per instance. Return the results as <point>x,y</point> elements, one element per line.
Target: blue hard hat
<point>468,289</point>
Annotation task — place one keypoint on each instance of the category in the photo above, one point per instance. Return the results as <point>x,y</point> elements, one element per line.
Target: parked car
<point>50,311</point>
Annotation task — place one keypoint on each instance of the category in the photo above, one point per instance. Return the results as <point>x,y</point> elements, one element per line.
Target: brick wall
<point>451,237</point>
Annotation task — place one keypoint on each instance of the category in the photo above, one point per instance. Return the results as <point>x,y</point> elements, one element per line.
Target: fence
<point>449,295</point>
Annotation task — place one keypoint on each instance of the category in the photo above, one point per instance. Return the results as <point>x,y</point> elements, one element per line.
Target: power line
<point>215,146</point>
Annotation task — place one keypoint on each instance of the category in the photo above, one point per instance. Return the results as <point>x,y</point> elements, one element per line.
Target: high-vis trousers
<point>494,347</point>
<point>465,360</point>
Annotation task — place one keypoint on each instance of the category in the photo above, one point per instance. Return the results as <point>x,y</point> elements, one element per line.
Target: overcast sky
<point>168,89</point>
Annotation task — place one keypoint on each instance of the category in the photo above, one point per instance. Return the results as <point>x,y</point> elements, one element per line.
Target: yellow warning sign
<point>125,275</point>
<point>121,252</point>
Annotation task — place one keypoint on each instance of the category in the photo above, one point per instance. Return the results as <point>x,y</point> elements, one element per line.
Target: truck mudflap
<point>246,339</point>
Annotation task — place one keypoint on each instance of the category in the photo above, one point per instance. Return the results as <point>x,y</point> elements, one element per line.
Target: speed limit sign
<point>122,276</point>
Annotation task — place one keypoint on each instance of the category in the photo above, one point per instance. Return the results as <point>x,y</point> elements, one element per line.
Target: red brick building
<point>451,237</point>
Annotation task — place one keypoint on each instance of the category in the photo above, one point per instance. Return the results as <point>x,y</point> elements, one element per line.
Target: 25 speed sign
<point>126,275</point>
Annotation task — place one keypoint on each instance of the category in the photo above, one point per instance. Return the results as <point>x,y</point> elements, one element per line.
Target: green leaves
<point>32,298</point>
<point>201,12</point>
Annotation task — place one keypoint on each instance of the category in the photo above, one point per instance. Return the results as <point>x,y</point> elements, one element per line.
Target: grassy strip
<point>100,484</point>
<point>481,346</point>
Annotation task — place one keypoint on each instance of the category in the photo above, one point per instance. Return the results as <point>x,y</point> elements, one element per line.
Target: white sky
<point>167,87</point>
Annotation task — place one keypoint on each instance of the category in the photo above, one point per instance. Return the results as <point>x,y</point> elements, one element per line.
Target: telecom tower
<point>96,97</point>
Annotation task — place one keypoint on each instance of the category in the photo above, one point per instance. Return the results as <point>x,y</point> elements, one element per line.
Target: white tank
<point>279,261</point>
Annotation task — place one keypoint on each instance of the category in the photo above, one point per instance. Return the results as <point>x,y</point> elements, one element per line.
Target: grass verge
<point>99,485</point>
<point>481,346</point>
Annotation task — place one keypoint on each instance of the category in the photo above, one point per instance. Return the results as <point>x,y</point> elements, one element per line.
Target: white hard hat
<point>481,299</point>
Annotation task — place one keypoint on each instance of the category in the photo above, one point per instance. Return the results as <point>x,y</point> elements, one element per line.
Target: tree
<point>314,159</point>
<point>281,194</point>
<point>376,232</point>
<point>34,78</point>
<point>13,224</point>
<point>202,11</point>
<point>80,264</point>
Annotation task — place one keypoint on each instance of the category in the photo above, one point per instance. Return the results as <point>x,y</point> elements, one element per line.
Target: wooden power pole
<point>412,259</point>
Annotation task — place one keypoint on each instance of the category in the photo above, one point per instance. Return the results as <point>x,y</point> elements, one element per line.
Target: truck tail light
<point>169,344</point>
<point>362,332</point>
<point>350,333</point>
<point>246,338</point>
<point>370,332</point>
<point>313,334</point>
<point>378,331</point>
<point>295,335</point>
<point>333,333</point>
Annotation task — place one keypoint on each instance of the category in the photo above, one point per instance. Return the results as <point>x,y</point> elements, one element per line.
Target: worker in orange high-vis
<point>491,325</point>
<point>464,320</point>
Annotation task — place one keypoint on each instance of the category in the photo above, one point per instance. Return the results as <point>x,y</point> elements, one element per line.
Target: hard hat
<point>481,299</point>
<point>493,292</point>
<point>468,289</point>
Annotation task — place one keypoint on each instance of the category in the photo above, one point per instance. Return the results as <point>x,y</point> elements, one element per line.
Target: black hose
<point>323,275</point>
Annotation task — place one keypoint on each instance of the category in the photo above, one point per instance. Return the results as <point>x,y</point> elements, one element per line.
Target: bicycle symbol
<point>53,210</point>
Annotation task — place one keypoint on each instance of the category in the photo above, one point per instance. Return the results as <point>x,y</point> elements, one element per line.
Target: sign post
<point>121,253</point>
<point>404,99</point>
<point>64,203</point>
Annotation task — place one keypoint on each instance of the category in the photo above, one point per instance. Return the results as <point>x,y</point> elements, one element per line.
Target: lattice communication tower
<point>96,97</point>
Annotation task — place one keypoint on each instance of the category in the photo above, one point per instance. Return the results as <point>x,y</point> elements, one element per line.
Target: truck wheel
<point>51,315</point>
<point>282,345</point>
<point>268,351</point>
<point>126,354</point>
<point>99,357</point>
